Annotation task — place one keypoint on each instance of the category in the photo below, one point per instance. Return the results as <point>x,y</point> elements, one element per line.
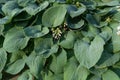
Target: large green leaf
<point>54,16</point>
<point>59,62</point>
<point>81,73</point>
<point>15,67</point>
<point>115,37</point>
<point>45,46</point>
<point>3,58</point>
<point>25,76</point>
<point>50,76</point>
<point>33,9</point>
<point>15,40</point>
<point>70,69</point>
<point>110,75</point>
<point>36,31</point>
<point>110,61</point>
<point>74,12</point>
<point>87,55</point>
<point>11,8</point>
<point>69,40</point>
<point>35,63</point>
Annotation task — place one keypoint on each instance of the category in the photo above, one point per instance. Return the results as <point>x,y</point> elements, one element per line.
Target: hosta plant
<point>59,39</point>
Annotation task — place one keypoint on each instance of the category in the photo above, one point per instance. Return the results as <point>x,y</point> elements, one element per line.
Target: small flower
<point>118,33</point>
<point>118,28</point>
<point>56,33</point>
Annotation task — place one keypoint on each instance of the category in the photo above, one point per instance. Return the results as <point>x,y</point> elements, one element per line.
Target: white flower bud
<point>118,28</point>
<point>118,33</point>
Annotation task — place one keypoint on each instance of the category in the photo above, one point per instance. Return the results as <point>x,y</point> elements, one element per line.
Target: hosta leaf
<point>69,40</point>
<point>54,16</point>
<point>106,33</point>
<point>11,8</point>
<point>25,3</point>
<point>51,76</point>
<point>109,3</point>
<point>110,75</point>
<point>45,46</point>
<point>70,69</point>
<point>25,76</point>
<point>3,58</point>
<point>1,29</point>
<point>92,20</point>
<point>81,73</point>
<point>84,53</point>
<point>74,12</point>
<point>36,31</point>
<point>0,75</point>
<point>59,62</point>
<point>33,9</point>
<point>15,40</point>
<point>116,16</point>
<point>115,37</point>
<point>110,61</point>
<point>5,20</point>
<point>35,63</point>
<point>15,67</point>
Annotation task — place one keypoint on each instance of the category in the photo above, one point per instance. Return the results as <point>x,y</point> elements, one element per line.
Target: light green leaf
<point>15,67</point>
<point>15,40</point>
<point>45,47</point>
<point>110,75</point>
<point>25,76</point>
<point>3,58</point>
<point>70,69</point>
<point>81,73</point>
<point>69,40</point>
<point>35,63</point>
<point>1,76</point>
<point>58,62</point>
<point>54,16</point>
<point>51,76</point>
<point>33,9</point>
<point>87,55</point>
<point>115,37</point>
<point>36,31</point>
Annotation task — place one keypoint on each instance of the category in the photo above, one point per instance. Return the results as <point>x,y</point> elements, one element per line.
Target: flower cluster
<point>56,33</point>
<point>118,30</point>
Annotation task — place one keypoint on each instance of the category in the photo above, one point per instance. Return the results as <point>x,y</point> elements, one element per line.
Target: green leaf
<point>11,8</point>
<point>92,20</point>
<point>15,67</point>
<point>33,9</point>
<point>69,40</point>
<point>87,55</point>
<point>36,31</point>
<point>1,29</point>
<point>70,69</point>
<point>106,33</point>
<point>74,12</point>
<point>24,3</point>
<point>26,75</point>
<point>110,75</point>
<point>115,37</point>
<point>54,16</point>
<point>58,62</point>
<point>35,63</point>
<point>50,76</point>
<point>110,61</point>
<point>1,76</point>
<point>15,40</point>
<point>81,73</point>
<point>5,20</point>
<point>3,58</point>
<point>116,17</point>
<point>45,47</point>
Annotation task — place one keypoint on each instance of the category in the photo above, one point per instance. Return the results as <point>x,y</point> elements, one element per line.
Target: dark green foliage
<point>60,39</point>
